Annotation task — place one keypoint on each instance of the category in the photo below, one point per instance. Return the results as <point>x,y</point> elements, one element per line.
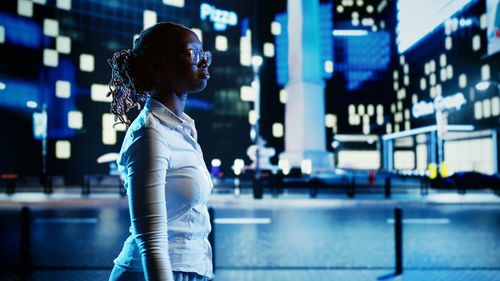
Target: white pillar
<point>305,136</point>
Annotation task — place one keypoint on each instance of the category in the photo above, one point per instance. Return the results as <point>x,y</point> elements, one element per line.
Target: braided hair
<point>131,77</point>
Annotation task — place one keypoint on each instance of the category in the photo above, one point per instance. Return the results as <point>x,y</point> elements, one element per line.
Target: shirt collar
<point>166,115</point>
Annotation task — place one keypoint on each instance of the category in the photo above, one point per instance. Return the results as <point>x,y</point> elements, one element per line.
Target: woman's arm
<point>147,164</point>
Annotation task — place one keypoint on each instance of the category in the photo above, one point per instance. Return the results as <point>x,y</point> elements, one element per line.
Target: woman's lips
<point>205,75</point>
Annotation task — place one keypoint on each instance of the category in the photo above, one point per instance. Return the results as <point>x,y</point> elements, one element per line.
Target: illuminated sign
<point>440,103</point>
<point>412,26</point>
<point>220,18</point>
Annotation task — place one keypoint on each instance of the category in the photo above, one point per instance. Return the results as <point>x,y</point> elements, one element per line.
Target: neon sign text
<point>440,103</point>
<point>220,18</point>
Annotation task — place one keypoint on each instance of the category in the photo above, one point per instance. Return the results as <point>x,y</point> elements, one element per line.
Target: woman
<point>167,182</point>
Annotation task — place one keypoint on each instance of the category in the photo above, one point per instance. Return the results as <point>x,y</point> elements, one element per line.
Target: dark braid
<point>131,77</point>
<point>122,87</point>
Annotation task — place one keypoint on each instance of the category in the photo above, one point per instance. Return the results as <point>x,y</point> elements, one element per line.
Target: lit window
<point>221,43</point>
<point>277,130</point>
<point>2,34</point>
<point>393,107</point>
<point>175,3</point>
<point>427,69</point>
<point>432,92</point>
<point>401,94</point>
<point>366,128</point>
<point>442,74</point>
<point>462,80</point>
<point>198,33</point>
<point>366,119</point>
<point>252,117</point>
<point>396,127</point>
<point>108,133</point>
<point>478,110</point>
<point>359,3</point>
<point>406,80</point>
<point>149,18</point>
<point>486,108</point>
<point>395,75</point>
<point>50,27</point>
<point>63,44</point>
<point>485,72</point>
<point>380,109</point>
<point>248,93</point>
<point>64,4</point>
<point>330,120</point>
<point>414,99</point>
<point>63,89</point>
<point>355,15</point>
<point>369,9</point>
<point>483,21</point>
<point>438,89</point>
<point>352,109</point>
<point>98,92</point>
<point>340,9</point>
<point>448,43</point>
<point>246,49</point>
<point>75,119</point>
<point>86,62</point>
<point>275,28</point>
<point>423,84</point>
<point>355,22</point>
<point>268,49</point>
<point>370,110</point>
<point>25,8</point>
<point>63,149</point>
<point>283,96</point>
<point>495,106</point>
<point>40,2</point>
<point>380,119</point>
<point>432,79</point>
<point>395,85</point>
<point>476,42</point>
<point>50,57</point>
<point>328,66</point>
<point>406,68</point>
<point>347,3</point>
<point>442,60</point>
<point>449,71</point>
<point>367,22</point>
<point>388,128</point>
<point>407,125</point>
<point>432,65</point>
<point>400,105</point>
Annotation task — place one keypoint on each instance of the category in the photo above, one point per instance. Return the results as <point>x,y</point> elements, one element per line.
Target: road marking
<point>66,220</point>
<point>422,221</point>
<point>243,221</point>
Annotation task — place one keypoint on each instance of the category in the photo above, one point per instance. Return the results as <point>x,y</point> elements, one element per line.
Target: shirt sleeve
<point>146,164</point>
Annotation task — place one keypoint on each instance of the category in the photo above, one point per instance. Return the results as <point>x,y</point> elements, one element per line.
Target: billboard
<point>493,29</point>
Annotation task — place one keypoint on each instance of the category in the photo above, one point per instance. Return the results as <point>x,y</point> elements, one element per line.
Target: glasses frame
<point>197,55</point>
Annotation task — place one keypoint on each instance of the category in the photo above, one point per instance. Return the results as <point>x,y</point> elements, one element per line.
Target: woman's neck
<point>173,101</point>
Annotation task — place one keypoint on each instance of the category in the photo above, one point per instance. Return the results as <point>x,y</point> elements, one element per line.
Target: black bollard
<point>25,247</point>
<point>398,229</point>
<point>387,187</point>
<point>211,235</point>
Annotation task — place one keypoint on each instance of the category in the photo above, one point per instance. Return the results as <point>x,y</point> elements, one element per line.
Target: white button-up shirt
<point>168,187</point>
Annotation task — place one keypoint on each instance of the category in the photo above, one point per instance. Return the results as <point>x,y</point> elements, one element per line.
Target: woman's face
<point>182,75</point>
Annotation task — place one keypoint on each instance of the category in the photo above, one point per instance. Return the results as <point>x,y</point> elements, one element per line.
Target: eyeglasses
<point>197,55</point>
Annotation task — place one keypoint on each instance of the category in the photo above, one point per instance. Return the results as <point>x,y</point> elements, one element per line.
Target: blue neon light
<point>21,31</point>
<point>220,18</point>
<point>281,43</point>
<point>363,56</point>
<point>417,19</point>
